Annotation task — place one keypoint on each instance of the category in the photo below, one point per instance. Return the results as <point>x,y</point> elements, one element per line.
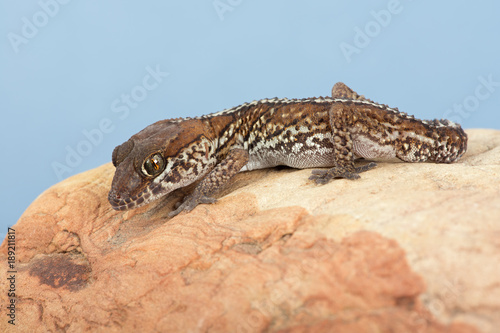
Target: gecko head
<point>164,156</point>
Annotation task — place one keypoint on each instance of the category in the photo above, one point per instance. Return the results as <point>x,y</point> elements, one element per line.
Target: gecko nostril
<point>114,196</point>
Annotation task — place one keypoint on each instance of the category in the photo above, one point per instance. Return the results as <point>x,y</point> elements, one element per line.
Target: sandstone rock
<point>407,248</point>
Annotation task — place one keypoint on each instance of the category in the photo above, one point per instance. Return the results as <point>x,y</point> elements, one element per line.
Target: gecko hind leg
<point>324,176</point>
<point>340,90</point>
<point>342,120</point>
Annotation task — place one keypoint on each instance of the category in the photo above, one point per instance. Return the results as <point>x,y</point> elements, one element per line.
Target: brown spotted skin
<point>212,182</point>
<point>300,133</point>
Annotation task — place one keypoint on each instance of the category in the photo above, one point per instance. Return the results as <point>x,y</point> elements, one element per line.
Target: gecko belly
<point>368,148</point>
<point>311,158</point>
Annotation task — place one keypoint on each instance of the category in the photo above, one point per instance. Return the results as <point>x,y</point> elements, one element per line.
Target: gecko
<point>320,132</point>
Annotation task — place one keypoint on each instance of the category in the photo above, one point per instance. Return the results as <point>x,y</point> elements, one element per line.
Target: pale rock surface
<point>406,248</point>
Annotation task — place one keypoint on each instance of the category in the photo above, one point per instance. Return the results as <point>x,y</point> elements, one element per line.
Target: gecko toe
<point>190,203</point>
<point>206,200</point>
<point>324,176</point>
<point>366,167</point>
<point>320,177</point>
<point>175,212</point>
<point>319,172</point>
<point>322,180</point>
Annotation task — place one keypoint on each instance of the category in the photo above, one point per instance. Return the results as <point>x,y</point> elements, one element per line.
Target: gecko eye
<point>153,165</point>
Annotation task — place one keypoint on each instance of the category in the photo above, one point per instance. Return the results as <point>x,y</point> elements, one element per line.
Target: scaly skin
<point>300,133</point>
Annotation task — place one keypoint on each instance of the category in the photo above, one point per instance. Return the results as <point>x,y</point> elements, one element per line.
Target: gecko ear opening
<point>121,152</point>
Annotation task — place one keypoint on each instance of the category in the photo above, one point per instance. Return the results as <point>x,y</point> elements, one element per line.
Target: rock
<point>406,248</point>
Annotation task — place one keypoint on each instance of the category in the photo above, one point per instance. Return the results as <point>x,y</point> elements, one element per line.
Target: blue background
<point>73,67</point>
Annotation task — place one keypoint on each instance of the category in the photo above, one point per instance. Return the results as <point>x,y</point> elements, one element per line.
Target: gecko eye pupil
<point>153,165</point>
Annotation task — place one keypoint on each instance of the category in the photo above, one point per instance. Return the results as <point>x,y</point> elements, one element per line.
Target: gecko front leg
<point>214,181</point>
<point>341,120</point>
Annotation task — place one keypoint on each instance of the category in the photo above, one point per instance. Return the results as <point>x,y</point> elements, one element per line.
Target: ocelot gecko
<point>322,132</point>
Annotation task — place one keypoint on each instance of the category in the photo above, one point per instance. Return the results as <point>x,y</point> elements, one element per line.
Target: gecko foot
<point>324,176</point>
<point>190,202</point>
<point>366,167</point>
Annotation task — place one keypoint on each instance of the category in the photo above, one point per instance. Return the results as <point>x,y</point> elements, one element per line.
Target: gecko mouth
<point>121,202</point>
<point>124,203</point>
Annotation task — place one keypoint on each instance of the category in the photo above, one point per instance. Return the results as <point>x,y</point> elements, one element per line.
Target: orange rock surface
<point>275,254</point>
